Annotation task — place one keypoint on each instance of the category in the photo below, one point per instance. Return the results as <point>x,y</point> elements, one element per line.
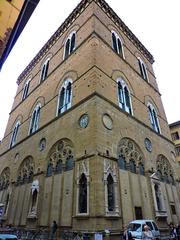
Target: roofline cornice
<point>68,22</point>
<point>174,124</point>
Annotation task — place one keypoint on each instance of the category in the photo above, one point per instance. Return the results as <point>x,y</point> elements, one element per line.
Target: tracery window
<point>5,178</point>
<point>132,166</point>
<point>111,189</point>
<point>164,170</point>
<point>122,162</point>
<point>70,44</point>
<point>141,169</point>
<point>110,192</point>
<point>117,44</point>
<point>159,174</point>
<point>14,134</point>
<point>35,118</point>
<point>65,96</point>
<point>44,70</point>
<point>26,171</point>
<point>130,156</point>
<point>124,96</point>
<point>142,68</point>
<point>60,157</point>
<point>153,118</point>
<point>83,194</point>
<point>26,89</point>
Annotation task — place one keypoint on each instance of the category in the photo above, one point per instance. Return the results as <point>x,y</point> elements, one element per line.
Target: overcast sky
<point>154,22</point>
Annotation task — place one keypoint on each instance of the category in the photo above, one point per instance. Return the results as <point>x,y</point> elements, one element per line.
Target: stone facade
<point>87,142</point>
<point>175,134</point>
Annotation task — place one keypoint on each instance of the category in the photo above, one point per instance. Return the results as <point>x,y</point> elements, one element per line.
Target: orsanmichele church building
<point>87,142</point>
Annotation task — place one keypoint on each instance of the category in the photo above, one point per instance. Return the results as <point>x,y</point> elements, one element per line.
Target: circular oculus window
<point>84,121</point>
<point>107,121</point>
<point>148,144</point>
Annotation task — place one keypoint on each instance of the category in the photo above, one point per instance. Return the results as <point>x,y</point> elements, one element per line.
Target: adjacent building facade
<point>14,14</point>
<point>175,135</point>
<point>9,11</point>
<point>87,142</point>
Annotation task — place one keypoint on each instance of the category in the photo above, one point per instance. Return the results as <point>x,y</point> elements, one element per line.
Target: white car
<point>8,236</point>
<point>136,228</point>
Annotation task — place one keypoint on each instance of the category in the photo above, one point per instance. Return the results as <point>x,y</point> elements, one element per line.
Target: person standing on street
<point>53,230</point>
<point>127,234</point>
<point>147,234</point>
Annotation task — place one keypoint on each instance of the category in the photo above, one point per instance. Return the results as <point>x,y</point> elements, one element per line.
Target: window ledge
<point>32,216</point>
<point>82,216</point>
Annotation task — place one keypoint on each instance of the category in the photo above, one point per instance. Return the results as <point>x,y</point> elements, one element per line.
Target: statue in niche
<point>83,194</point>
<point>158,197</point>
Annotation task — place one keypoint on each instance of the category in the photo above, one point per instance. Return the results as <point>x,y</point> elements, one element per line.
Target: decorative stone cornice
<point>68,22</point>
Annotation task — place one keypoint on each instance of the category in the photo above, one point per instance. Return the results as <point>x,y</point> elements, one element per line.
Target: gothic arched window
<point>69,164</point>
<point>44,70</point>
<point>142,69</point>
<point>141,169</point>
<point>171,179</point>
<point>130,156</point>
<point>83,194</point>
<point>164,170</point>
<point>70,44</point>
<point>159,173</point>
<point>49,169</point>
<point>165,177</point>
<point>60,157</point>
<point>5,178</point>
<point>122,162</point>
<point>110,193</point>
<point>34,125</point>
<point>26,171</point>
<point>14,134</point>
<point>117,44</point>
<point>132,166</point>
<point>124,96</point>
<point>153,118</point>
<point>26,89</point>
<point>59,167</point>
<point>65,96</point>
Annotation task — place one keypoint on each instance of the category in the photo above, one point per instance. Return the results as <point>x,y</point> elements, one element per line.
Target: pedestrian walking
<point>173,232</point>
<point>178,231</point>
<point>147,234</point>
<point>127,234</point>
<point>53,230</point>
